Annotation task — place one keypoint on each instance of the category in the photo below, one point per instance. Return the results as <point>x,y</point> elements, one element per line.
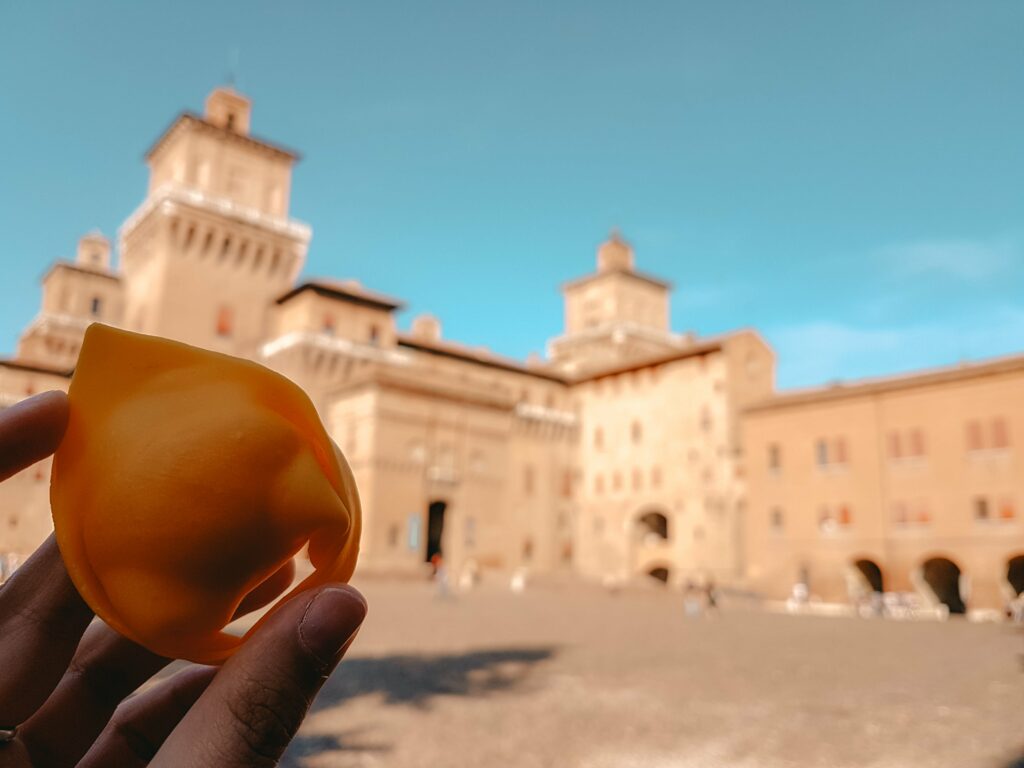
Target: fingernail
<point>331,620</point>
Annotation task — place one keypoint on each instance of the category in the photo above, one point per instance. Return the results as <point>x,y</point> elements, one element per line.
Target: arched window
<point>225,321</point>
<point>652,525</point>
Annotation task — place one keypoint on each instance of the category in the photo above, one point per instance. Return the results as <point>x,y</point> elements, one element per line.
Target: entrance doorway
<point>1015,573</point>
<point>659,573</point>
<point>435,528</point>
<point>943,576</point>
<point>652,526</point>
<point>872,574</point>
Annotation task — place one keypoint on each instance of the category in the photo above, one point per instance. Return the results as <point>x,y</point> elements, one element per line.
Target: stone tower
<point>613,315</point>
<point>75,294</point>
<point>212,245</point>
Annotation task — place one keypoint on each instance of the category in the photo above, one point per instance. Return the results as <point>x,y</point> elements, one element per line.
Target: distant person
<point>441,576</point>
<point>470,576</point>
<point>711,597</point>
<point>1016,609</point>
<point>518,582</point>
<point>799,598</point>
<point>691,600</point>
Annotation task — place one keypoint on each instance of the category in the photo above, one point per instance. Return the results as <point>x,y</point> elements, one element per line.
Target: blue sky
<point>846,177</point>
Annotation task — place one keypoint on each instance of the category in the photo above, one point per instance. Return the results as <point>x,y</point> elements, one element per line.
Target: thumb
<point>257,701</point>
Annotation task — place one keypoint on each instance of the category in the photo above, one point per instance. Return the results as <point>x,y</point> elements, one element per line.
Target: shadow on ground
<point>351,741</point>
<point>412,680</point>
<point>415,679</point>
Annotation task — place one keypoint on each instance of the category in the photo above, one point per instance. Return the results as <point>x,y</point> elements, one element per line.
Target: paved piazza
<point>567,675</point>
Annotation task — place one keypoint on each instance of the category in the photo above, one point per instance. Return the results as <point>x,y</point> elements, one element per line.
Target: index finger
<point>31,430</point>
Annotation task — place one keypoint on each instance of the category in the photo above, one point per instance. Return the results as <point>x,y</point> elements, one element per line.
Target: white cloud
<point>972,260</point>
<point>818,352</point>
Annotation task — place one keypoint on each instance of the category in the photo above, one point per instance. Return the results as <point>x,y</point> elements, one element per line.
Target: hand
<point>64,679</point>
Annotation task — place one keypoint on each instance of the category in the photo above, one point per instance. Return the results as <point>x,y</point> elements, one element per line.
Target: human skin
<point>64,678</point>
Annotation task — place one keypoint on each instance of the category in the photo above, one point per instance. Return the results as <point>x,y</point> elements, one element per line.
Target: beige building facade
<point>631,449</point>
<point>906,484</point>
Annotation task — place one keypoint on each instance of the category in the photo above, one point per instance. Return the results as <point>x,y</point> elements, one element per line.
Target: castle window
<point>566,483</point>
<point>1006,510</point>
<point>374,334</point>
<point>826,522</point>
<point>95,306</point>
<point>778,522</point>
<point>821,453</point>
<point>774,457</point>
<point>899,513</point>
<point>981,511</point>
<point>616,481</point>
<point>225,321</point>
<point>231,121</point>
<point>656,477</point>
<point>840,450</point>
<point>637,432</point>
<point>975,441</point>
<point>328,325</point>
<point>1000,433</point>
<point>393,536</point>
<point>705,417</point>
<point>916,443</point>
<point>923,515</point>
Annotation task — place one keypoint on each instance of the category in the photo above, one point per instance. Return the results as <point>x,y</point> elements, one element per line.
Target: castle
<point>631,449</point>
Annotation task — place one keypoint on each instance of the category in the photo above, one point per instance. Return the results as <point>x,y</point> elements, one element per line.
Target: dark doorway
<point>659,573</point>
<point>435,528</point>
<point>1015,573</point>
<point>653,524</point>
<point>943,576</point>
<point>872,573</point>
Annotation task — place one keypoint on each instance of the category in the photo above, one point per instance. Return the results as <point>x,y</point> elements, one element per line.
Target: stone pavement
<point>570,676</point>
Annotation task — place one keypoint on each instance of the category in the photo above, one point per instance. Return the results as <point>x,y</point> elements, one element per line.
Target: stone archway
<point>942,575</point>
<point>659,573</point>
<point>652,525</point>
<point>871,572</point>
<point>1015,573</point>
